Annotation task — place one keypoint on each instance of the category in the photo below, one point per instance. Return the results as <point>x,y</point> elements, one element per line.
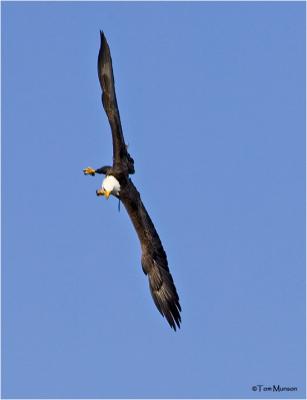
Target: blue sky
<point>212,101</point>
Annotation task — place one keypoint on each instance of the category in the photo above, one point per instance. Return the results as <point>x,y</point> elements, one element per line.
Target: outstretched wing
<point>154,260</point>
<point>121,157</point>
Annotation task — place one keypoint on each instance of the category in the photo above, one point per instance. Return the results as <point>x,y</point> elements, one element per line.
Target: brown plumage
<point>154,260</point>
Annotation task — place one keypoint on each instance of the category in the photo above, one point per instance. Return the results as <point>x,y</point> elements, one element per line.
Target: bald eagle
<point>117,182</point>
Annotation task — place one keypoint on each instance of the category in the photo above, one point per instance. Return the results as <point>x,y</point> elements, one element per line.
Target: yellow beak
<point>107,194</point>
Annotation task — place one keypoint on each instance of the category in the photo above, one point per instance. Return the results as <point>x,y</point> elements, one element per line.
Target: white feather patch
<point>111,184</point>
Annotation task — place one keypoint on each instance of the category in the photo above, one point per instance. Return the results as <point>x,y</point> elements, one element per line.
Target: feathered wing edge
<point>106,78</point>
<point>154,259</point>
<point>163,290</point>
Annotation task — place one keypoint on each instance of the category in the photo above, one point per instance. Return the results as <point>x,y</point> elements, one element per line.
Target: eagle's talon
<point>89,171</point>
<point>100,192</point>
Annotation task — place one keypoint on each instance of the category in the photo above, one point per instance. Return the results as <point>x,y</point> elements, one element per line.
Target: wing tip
<point>101,34</point>
<point>173,322</point>
<point>103,39</point>
<point>175,317</point>
<point>104,56</point>
<point>169,308</point>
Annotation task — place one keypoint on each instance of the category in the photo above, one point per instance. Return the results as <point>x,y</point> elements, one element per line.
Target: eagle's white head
<point>110,185</point>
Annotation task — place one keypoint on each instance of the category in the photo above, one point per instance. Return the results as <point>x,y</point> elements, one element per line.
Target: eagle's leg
<point>91,171</point>
<point>103,170</point>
